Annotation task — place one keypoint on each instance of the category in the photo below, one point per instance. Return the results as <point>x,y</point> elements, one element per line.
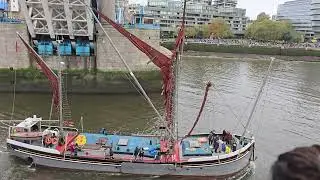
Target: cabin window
<point>123,142</point>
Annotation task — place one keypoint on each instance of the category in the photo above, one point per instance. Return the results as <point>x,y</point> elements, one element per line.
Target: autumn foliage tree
<point>218,28</point>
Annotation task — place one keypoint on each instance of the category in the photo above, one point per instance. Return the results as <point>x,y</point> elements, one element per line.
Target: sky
<point>254,7</point>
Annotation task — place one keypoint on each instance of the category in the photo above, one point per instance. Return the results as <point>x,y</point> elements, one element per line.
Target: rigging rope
<point>262,109</point>
<point>125,75</point>
<point>258,98</point>
<point>228,106</point>
<point>247,107</point>
<point>51,110</point>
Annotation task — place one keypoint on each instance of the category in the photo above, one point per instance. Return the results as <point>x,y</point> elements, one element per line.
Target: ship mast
<point>60,96</point>
<point>176,68</point>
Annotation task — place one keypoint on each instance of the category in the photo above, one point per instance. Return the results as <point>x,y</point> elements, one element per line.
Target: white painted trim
<point>219,164</point>
<point>33,147</point>
<point>66,160</point>
<point>224,156</point>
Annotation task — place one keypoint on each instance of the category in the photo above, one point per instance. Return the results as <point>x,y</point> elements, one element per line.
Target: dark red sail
<point>52,77</point>
<point>209,84</point>
<point>159,59</point>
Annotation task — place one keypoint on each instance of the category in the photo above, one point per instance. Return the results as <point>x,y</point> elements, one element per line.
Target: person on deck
<point>228,150</point>
<point>103,131</point>
<point>107,153</point>
<point>216,144</point>
<point>72,148</point>
<point>44,141</point>
<point>223,147</point>
<point>226,136</point>
<point>224,132</point>
<point>220,142</point>
<point>234,146</point>
<point>111,153</point>
<point>135,153</point>
<point>76,149</point>
<point>141,154</point>
<point>211,138</point>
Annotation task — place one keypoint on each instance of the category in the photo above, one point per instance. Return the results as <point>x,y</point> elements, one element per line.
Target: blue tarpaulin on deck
<point>149,144</point>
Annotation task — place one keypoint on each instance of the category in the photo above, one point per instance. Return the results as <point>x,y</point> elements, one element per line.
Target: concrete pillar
<point>107,7</point>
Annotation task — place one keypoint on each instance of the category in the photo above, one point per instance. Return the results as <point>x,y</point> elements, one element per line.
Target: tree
<point>219,28</point>
<point>205,31</point>
<point>263,16</point>
<point>197,31</point>
<point>265,29</point>
<point>191,32</point>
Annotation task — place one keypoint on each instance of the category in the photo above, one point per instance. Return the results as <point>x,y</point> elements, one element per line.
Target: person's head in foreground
<point>302,163</point>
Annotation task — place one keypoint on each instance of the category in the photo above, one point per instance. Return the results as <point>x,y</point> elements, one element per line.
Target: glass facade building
<point>315,12</point>
<point>168,13</point>
<point>298,12</point>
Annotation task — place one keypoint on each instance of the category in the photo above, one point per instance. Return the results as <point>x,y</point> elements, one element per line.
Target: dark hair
<point>299,164</point>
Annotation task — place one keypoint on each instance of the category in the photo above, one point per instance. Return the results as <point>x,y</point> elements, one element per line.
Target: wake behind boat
<point>213,154</point>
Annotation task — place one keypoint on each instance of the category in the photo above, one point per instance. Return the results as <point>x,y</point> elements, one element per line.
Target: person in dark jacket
<point>302,163</point>
<point>141,153</point>
<point>226,136</point>
<point>211,138</point>
<point>136,153</point>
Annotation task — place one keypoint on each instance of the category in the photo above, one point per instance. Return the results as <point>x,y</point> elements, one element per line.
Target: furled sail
<point>159,59</point>
<point>52,77</point>
<point>209,84</point>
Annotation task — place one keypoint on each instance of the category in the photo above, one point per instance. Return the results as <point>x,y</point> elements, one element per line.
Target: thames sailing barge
<point>209,154</point>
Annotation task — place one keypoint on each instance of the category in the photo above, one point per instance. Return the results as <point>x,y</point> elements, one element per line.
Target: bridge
<point>65,31</point>
<point>69,18</point>
<point>61,27</point>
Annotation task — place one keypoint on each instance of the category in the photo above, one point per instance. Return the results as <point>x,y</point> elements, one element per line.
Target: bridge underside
<point>54,18</point>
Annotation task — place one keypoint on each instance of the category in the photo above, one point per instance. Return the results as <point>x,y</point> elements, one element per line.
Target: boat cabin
<point>28,125</point>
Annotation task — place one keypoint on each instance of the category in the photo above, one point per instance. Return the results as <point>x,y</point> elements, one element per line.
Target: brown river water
<point>287,116</point>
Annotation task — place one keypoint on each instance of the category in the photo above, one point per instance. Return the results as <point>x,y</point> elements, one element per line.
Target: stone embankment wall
<point>71,62</point>
<point>13,52</point>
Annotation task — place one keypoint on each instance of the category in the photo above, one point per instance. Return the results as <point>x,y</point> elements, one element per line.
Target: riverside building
<point>168,14</point>
<point>299,13</point>
<point>315,13</point>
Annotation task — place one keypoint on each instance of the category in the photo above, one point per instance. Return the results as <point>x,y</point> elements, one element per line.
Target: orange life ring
<point>48,140</point>
<point>54,141</point>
